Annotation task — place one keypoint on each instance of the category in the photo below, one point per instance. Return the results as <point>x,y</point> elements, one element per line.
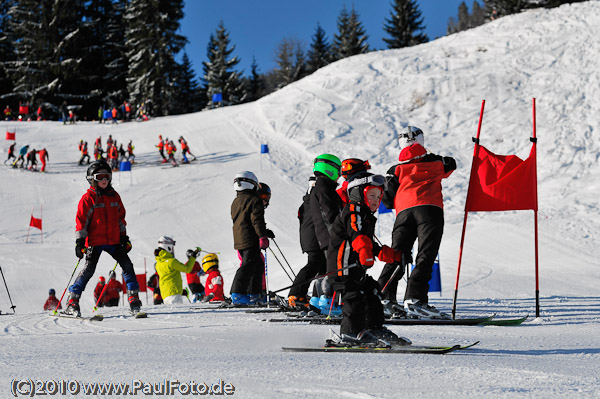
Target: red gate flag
<point>35,222</point>
<point>141,279</point>
<point>502,182</point>
<point>10,135</point>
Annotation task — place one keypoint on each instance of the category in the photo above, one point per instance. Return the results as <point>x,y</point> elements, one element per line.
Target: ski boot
<point>298,303</point>
<point>73,305</point>
<point>417,309</point>
<point>134,301</point>
<point>383,334</point>
<point>240,299</point>
<point>393,310</point>
<point>362,340</point>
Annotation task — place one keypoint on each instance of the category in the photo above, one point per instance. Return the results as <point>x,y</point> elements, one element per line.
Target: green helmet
<point>329,165</point>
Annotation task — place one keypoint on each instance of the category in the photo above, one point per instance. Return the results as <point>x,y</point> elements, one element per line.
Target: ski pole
<point>103,289</point>
<point>317,277</point>
<point>267,277</point>
<point>11,302</point>
<point>281,265</point>
<point>69,283</point>
<point>286,261</point>
<point>331,306</point>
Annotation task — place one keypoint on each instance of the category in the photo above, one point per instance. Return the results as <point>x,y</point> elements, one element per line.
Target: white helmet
<point>167,243</point>
<point>409,136</point>
<point>245,180</point>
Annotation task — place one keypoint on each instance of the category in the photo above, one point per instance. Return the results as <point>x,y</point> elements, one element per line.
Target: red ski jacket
<point>100,218</point>
<point>51,303</point>
<point>214,285</point>
<point>113,290</point>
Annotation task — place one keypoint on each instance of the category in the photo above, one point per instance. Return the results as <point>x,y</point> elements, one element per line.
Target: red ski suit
<point>214,285</point>
<point>100,218</point>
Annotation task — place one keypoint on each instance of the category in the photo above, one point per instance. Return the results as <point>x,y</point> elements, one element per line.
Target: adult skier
<point>414,189</point>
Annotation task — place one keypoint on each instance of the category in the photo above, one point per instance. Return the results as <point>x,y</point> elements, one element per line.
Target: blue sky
<point>257,27</point>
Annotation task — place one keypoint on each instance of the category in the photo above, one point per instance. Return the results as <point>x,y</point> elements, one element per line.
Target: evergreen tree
<point>500,8</point>
<point>463,17</point>
<point>152,42</point>
<point>477,15</point>
<point>289,57</point>
<point>186,89</point>
<point>351,38</point>
<point>29,71</point>
<point>405,25</point>
<point>319,53</point>
<point>7,51</point>
<point>220,75</point>
<point>255,84</point>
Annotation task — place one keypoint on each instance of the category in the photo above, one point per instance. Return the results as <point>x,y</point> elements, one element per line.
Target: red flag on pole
<point>35,222</point>
<point>11,135</point>
<point>502,182</point>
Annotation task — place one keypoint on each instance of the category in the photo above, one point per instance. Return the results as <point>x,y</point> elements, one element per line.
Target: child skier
<point>321,205</point>
<point>52,301</point>
<point>22,155</point>
<point>169,269</point>
<point>351,253</point>
<point>194,283</point>
<point>113,291</point>
<point>101,226</point>
<point>249,237</point>
<point>414,190</point>
<point>11,152</point>
<point>161,148</point>
<point>98,291</point>
<point>214,281</point>
<point>44,157</point>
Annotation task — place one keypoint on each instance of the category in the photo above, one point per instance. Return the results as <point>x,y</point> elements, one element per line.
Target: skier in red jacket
<point>113,291</point>
<point>52,301</point>
<point>101,226</point>
<point>98,292</point>
<point>214,280</point>
<point>413,188</point>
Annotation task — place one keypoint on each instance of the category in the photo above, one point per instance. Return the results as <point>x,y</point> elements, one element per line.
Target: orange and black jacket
<point>355,222</point>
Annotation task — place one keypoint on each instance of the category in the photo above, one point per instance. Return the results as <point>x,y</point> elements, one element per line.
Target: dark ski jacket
<point>325,206</point>
<point>308,238</point>
<point>248,215</point>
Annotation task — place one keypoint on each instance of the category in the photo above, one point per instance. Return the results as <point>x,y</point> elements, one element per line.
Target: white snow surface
<point>352,108</point>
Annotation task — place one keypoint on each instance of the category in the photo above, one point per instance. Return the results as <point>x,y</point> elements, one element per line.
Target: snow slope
<point>352,108</point>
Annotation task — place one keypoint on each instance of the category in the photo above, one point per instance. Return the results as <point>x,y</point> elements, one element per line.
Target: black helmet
<point>51,292</point>
<point>264,192</point>
<point>95,167</point>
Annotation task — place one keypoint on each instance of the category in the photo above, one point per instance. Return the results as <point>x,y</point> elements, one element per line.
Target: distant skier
<point>101,226</point>
<point>171,149</point>
<point>31,159</point>
<point>161,148</point>
<point>83,148</point>
<point>169,269</point>
<point>194,283</point>
<point>11,152</point>
<point>52,301</point>
<point>44,157</point>
<point>22,154</point>
<point>98,291</point>
<point>185,149</point>
<point>113,291</point>
<point>130,154</point>
<point>153,284</point>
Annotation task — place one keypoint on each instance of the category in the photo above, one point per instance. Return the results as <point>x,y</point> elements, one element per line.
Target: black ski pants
<point>317,264</point>
<point>362,308</point>
<point>425,223</point>
<point>248,278</point>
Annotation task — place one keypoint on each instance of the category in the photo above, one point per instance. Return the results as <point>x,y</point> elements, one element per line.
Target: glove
<point>387,254</point>
<point>192,253</point>
<point>263,242</point>
<point>80,247</point>
<point>364,246</point>
<point>125,243</point>
<point>270,234</point>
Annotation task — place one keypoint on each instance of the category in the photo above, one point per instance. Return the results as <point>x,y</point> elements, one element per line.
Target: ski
<point>399,322</point>
<point>401,349</point>
<point>505,322</point>
<point>97,317</point>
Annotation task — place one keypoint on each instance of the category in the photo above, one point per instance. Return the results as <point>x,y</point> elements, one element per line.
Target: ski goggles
<point>373,180</point>
<point>102,176</point>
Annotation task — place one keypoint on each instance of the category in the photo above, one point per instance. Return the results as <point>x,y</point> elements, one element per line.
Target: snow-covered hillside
<point>352,108</point>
